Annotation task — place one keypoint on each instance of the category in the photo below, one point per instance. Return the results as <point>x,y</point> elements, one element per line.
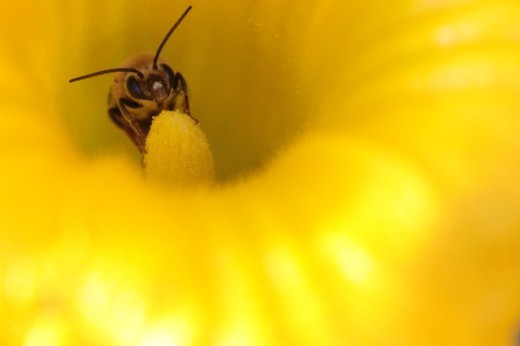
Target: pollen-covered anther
<point>177,151</point>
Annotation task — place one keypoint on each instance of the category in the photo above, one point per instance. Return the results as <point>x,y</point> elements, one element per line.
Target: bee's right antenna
<point>110,70</point>
<point>165,39</point>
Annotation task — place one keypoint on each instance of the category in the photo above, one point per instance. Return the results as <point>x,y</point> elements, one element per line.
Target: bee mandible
<point>144,86</point>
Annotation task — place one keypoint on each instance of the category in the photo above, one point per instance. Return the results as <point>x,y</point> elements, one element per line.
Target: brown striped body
<point>135,99</point>
<point>143,87</point>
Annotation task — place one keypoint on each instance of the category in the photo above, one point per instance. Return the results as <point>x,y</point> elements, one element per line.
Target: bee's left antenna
<point>165,39</point>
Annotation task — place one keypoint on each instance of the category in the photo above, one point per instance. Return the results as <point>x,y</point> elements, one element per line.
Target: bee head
<point>153,85</point>
<point>153,82</point>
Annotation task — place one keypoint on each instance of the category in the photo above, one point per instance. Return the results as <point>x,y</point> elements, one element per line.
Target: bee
<point>143,87</point>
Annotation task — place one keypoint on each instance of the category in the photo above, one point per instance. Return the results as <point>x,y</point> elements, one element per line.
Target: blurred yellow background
<point>367,191</point>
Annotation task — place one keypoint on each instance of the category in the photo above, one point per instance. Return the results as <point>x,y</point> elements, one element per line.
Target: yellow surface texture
<point>366,192</point>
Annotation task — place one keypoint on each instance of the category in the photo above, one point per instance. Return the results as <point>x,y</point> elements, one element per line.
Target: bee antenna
<point>110,70</point>
<point>165,39</point>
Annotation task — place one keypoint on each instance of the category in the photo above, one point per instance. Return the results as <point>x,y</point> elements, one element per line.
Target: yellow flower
<point>366,159</point>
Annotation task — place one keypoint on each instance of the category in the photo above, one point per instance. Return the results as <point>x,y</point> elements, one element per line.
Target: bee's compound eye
<point>134,89</point>
<point>171,76</point>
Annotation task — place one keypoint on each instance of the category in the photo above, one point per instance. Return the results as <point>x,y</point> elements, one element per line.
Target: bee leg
<point>133,131</point>
<point>183,86</point>
<point>117,118</point>
<point>120,121</point>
